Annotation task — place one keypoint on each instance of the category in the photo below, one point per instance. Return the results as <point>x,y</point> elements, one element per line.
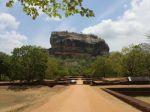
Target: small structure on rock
<point>74,44</point>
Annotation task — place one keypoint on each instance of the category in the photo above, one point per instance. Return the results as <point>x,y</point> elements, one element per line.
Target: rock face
<point>69,43</point>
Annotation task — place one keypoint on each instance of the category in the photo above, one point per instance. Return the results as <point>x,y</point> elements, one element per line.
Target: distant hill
<point>75,44</point>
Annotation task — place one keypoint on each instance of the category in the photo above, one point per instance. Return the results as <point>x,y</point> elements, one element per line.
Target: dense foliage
<point>31,63</point>
<point>28,63</point>
<point>132,61</point>
<point>136,61</point>
<point>4,66</point>
<point>54,68</point>
<point>52,8</point>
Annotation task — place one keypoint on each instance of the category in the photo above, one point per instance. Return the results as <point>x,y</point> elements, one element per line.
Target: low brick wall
<point>141,105</point>
<point>49,83</point>
<point>136,91</point>
<point>94,83</point>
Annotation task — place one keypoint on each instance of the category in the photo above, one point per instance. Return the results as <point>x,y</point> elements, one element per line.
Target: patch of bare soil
<point>19,98</point>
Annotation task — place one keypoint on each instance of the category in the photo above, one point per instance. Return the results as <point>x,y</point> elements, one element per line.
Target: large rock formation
<point>65,43</point>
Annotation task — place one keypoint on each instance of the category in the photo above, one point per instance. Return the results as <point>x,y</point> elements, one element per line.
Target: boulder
<point>70,43</point>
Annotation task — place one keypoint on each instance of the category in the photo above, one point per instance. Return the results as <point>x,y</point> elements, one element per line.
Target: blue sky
<point>112,22</point>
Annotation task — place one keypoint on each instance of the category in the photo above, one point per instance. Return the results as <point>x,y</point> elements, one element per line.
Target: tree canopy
<point>52,8</point>
<point>136,61</point>
<point>4,66</point>
<point>31,63</point>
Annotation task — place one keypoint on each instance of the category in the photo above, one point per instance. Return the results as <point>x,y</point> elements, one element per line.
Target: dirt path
<point>84,98</point>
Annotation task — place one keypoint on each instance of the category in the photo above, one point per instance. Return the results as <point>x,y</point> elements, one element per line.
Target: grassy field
<point>144,98</point>
<point>15,99</point>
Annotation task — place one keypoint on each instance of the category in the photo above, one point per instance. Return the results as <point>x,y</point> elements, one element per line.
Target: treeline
<point>132,61</point>
<point>31,63</point>
<point>27,63</point>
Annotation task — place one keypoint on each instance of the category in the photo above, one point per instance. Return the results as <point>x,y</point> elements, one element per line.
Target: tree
<point>115,61</point>
<point>53,8</point>
<point>146,63</point>
<point>87,71</point>
<point>145,49</point>
<point>136,61</point>
<point>101,67</point>
<point>29,63</point>
<point>53,66</point>
<point>4,66</point>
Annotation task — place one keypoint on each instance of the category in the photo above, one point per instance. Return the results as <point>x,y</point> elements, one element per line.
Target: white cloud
<point>7,21</point>
<point>10,40</point>
<point>9,37</point>
<point>128,29</point>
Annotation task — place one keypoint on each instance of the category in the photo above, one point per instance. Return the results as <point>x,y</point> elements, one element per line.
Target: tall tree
<point>29,63</point>
<point>101,67</point>
<point>53,66</point>
<point>4,66</point>
<point>115,61</point>
<point>136,61</point>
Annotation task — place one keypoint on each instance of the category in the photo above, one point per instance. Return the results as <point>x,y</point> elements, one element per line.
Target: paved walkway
<point>80,81</point>
<point>84,98</point>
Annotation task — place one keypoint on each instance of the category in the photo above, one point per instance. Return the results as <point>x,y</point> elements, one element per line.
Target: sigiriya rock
<point>75,44</point>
